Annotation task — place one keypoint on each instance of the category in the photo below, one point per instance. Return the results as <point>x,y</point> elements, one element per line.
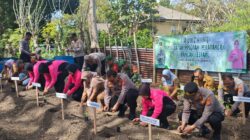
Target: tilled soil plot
<point>21,119</point>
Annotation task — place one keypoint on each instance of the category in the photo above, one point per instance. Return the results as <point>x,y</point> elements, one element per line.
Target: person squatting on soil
<point>156,104</point>
<point>54,73</point>
<point>93,88</point>
<point>200,106</point>
<point>111,64</point>
<point>94,62</point>
<point>35,76</point>
<point>74,87</point>
<point>203,80</point>
<point>232,87</point>
<point>170,83</point>
<point>119,92</point>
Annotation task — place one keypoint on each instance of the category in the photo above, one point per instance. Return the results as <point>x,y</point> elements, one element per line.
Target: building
<point>169,21</point>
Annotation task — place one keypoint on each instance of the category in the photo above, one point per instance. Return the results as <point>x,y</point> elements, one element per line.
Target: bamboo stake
<point>150,131</point>
<point>95,129</point>
<point>16,89</point>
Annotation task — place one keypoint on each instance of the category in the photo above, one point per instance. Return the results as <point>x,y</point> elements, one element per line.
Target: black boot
<point>132,114</point>
<point>216,137</point>
<point>204,131</point>
<point>122,110</point>
<point>164,124</point>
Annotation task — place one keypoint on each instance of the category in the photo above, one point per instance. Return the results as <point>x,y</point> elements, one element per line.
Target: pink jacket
<point>51,77</point>
<point>34,75</point>
<point>155,101</point>
<point>73,79</point>
<point>236,56</point>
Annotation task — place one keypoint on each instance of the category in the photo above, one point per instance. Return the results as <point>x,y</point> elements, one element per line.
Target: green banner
<point>217,52</point>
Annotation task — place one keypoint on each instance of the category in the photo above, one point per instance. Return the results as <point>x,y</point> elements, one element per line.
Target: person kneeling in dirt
<point>203,80</point>
<point>74,87</point>
<point>34,75</point>
<point>116,100</point>
<point>170,83</point>
<point>94,62</point>
<point>156,104</point>
<point>232,87</point>
<point>54,73</point>
<point>93,88</point>
<point>200,106</point>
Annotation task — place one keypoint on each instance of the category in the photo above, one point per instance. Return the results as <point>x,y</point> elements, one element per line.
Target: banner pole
<point>154,68</point>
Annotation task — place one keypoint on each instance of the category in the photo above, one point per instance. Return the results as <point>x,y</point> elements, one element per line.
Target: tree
<point>7,17</point>
<point>92,25</point>
<point>165,3</point>
<point>213,12</point>
<point>127,17</point>
<point>237,21</point>
<point>36,10</point>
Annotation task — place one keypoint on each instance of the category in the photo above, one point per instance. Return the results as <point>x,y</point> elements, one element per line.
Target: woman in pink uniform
<point>156,104</point>
<point>74,87</point>
<point>236,56</point>
<point>54,73</point>
<point>35,76</point>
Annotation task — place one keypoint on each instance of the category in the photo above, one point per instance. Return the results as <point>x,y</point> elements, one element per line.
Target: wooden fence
<point>146,64</point>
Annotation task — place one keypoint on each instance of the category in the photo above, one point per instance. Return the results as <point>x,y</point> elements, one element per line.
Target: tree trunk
<point>35,41</point>
<point>136,53</point>
<point>92,25</point>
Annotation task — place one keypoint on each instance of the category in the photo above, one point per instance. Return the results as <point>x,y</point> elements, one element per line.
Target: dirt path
<point>21,119</point>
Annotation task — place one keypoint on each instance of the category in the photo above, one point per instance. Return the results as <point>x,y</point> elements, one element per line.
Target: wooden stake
<point>62,109</point>
<point>95,129</point>
<point>1,85</point>
<point>37,94</point>
<point>16,89</point>
<point>149,131</point>
<point>244,113</point>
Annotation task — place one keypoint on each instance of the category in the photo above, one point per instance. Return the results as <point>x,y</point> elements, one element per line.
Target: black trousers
<point>77,95</point>
<point>42,81</point>
<point>167,109</point>
<point>59,85</point>
<point>228,101</point>
<point>79,61</point>
<point>130,100</point>
<point>214,120</point>
<point>25,57</point>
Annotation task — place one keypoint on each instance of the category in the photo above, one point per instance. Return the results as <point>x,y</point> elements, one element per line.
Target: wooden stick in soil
<point>150,131</point>
<point>16,89</point>
<point>62,109</point>
<point>37,100</point>
<point>1,84</point>
<point>244,113</point>
<point>95,129</point>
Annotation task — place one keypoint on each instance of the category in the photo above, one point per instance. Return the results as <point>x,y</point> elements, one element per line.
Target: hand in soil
<point>228,112</point>
<point>143,124</point>
<point>106,108</point>
<point>136,119</point>
<point>189,129</point>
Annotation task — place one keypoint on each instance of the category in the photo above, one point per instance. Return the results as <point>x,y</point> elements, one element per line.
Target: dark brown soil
<point>21,119</point>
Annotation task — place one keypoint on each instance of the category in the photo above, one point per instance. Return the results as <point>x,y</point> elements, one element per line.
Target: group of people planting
<point>99,78</point>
